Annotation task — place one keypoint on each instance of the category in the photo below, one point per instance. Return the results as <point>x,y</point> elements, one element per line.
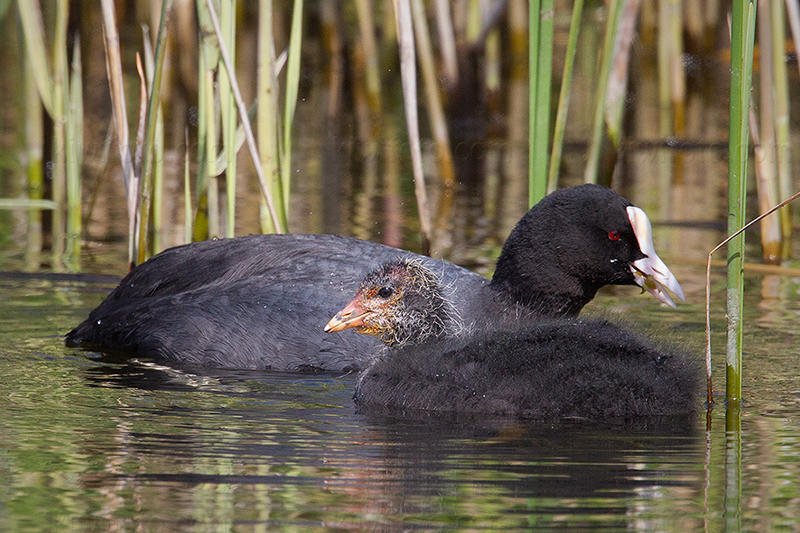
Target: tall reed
<point>782,129</point>
<point>52,80</point>
<point>292,87</point>
<point>148,149</point>
<point>34,153</point>
<point>268,125</point>
<point>227,106</point>
<point>563,98</point>
<point>595,144</point>
<point>120,114</point>
<point>74,157</point>
<point>540,65</point>
<point>405,38</point>
<point>742,37</point>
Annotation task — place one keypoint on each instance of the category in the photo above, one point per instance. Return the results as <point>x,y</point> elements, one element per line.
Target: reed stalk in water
<point>34,152</point>
<point>563,97</point>
<point>120,114</point>
<point>227,104</point>
<point>149,149</point>
<point>405,39</point>
<point>540,65</point>
<point>436,114</point>
<point>74,158</point>
<point>268,128</point>
<point>742,36</point>
<point>595,145</point>
<point>782,129</point>
<point>292,87</point>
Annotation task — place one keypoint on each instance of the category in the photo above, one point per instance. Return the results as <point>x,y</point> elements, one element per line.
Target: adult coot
<point>508,364</point>
<point>260,301</point>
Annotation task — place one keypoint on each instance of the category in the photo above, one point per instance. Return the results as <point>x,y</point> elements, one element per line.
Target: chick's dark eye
<point>385,292</point>
<point>613,235</point>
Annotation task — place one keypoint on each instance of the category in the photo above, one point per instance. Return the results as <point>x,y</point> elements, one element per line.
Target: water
<point>97,443</point>
<point>92,442</point>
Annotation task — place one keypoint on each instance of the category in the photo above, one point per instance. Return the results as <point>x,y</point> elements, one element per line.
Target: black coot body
<point>508,364</point>
<point>556,368</point>
<point>260,302</point>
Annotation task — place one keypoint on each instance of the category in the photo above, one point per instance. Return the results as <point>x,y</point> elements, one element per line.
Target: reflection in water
<point>279,445</point>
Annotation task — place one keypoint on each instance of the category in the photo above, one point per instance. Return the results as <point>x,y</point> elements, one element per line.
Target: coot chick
<point>258,301</point>
<point>510,364</point>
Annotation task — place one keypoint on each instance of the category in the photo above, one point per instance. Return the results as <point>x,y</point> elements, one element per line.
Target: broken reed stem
<point>708,283</point>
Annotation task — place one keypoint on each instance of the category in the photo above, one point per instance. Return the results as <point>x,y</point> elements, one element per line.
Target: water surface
<point>97,442</point>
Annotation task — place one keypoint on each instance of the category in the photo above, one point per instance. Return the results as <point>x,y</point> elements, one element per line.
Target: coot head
<point>401,302</point>
<point>575,241</point>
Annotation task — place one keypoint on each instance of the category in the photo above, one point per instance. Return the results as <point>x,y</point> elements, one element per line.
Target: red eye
<point>613,235</point>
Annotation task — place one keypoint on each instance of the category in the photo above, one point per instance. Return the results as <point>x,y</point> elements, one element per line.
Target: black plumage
<point>515,364</point>
<point>260,301</point>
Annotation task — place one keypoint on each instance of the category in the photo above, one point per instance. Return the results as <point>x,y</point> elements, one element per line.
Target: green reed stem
<point>227,16</point>
<point>268,116</point>
<point>74,158</point>
<point>243,116</point>
<point>742,37</point>
<point>563,97</point>
<point>34,150</point>
<point>782,133</point>
<point>149,149</point>
<point>30,16</point>
<point>292,88</point>
<point>187,191</point>
<point>612,24</point>
<point>540,61</point>
<point>60,94</point>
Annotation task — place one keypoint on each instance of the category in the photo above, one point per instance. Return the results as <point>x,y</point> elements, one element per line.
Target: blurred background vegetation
<point>123,121</point>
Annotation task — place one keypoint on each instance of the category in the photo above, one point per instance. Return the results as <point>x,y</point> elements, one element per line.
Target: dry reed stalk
<point>782,128</point>
<point>119,112</point>
<point>405,39</point>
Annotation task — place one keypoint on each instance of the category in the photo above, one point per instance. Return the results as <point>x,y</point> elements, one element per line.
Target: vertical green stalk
<point>742,36</point>
<point>540,60</point>
<point>59,182</point>
<point>563,97</point>
<point>74,158</point>
<point>292,87</point>
<point>782,140</point>
<point>149,150</point>
<point>34,149</point>
<point>227,16</point>
<point>268,115</point>
<point>212,186</point>
<point>612,23</point>
<point>187,192</point>
<point>158,181</point>
<point>206,125</point>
